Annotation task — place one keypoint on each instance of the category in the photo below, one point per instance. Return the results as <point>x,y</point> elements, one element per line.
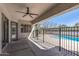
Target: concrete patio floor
<point>22,48</point>
<point>19,48</point>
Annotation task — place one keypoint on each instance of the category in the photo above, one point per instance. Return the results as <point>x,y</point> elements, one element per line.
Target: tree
<point>77,24</point>
<point>63,25</point>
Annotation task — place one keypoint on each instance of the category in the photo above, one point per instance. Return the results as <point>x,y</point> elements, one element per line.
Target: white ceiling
<point>38,8</point>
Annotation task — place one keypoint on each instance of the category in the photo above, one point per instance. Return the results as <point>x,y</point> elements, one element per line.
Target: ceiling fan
<point>27,13</point>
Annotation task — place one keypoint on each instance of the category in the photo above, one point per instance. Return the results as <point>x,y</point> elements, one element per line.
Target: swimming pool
<point>70,38</point>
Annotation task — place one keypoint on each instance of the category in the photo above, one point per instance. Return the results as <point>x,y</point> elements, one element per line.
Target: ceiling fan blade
<point>25,15</point>
<point>20,12</point>
<point>30,15</point>
<point>33,14</point>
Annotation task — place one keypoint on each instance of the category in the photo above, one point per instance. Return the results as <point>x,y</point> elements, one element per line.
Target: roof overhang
<point>54,10</point>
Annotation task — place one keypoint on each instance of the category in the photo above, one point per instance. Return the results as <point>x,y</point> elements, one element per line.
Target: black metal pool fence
<point>63,31</point>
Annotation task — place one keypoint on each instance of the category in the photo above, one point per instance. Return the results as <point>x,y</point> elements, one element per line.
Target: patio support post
<point>33,34</point>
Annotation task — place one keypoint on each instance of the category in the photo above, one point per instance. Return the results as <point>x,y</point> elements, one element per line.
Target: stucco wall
<point>10,18</point>
<point>22,35</point>
<point>0,34</point>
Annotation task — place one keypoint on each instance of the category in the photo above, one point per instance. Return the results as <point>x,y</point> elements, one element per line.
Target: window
<point>25,28</point>
<point>14,31</point>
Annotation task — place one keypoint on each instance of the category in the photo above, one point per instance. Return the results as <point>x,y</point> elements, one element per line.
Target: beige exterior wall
<point>0,34</point>
<point>22,35</point>
<point>10,18</point>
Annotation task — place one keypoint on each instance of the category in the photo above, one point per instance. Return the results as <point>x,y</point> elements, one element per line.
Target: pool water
<point>70,38</point>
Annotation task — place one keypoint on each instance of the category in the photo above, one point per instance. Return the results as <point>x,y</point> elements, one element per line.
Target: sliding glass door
<point>5,30</point>
<point>14,31</point>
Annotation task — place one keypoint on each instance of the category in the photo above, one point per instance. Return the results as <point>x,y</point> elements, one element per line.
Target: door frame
<point>16,30</point>
<point>5,19</point>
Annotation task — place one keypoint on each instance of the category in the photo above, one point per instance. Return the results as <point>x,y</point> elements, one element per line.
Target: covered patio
<point>16,34</point>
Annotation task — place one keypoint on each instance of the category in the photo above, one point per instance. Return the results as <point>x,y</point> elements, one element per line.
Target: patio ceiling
<point>37,8</point>
<point>44,10</point>
<point>58,8</point>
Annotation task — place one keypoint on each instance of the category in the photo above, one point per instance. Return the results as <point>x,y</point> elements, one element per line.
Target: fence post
<point>77,41</point>
<point>60,39</point>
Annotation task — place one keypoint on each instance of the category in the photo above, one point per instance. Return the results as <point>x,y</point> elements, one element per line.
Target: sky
<point>69,18</point>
